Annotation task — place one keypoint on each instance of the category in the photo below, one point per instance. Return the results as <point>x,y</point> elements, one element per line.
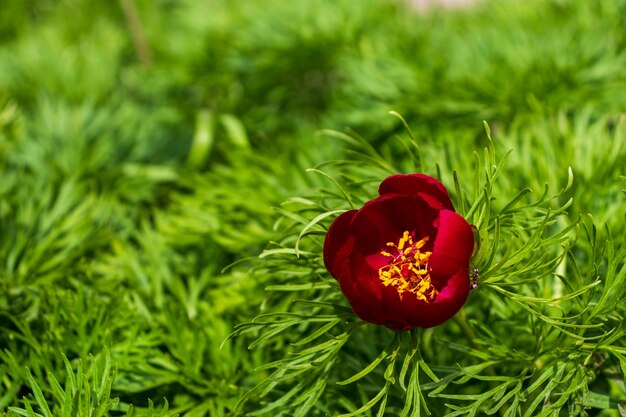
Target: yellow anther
<point>407,268</point>
<point>421,243</point>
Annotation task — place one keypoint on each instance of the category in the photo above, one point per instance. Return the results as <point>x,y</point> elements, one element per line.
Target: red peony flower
<point>402,260</point>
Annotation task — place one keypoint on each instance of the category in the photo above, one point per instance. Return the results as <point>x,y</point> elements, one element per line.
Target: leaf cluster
<point>540,334</point>
<point>143,144</point>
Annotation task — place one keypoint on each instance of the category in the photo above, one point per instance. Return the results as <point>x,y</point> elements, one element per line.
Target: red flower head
<point>402,260</point>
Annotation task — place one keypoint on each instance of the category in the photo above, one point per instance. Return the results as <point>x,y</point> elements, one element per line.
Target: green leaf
<point>386,353</point>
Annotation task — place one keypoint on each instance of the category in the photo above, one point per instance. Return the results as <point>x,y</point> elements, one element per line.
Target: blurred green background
<point>144,144</point>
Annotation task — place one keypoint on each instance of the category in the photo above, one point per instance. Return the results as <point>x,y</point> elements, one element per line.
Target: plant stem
<point>136,32</point>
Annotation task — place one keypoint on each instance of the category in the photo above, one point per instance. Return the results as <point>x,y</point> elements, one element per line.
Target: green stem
<point>465,327</point>
<point>136,32</point>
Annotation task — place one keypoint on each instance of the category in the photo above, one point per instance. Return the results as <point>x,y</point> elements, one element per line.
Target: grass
<point>155,194</point>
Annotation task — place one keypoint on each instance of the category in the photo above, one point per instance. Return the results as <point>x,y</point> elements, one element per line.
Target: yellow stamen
<point>407,268</point>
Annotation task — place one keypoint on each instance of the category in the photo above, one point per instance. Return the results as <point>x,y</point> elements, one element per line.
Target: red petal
<point>385,218</point>
<point>338,244</point>
<point>456,290</point>
<point>413,184</point>
<point>409,312</point>
<point>363,290</point>
<point>453,245</point>
<point>375,303</point>
<point>449,301</point>
<point>398,311</point>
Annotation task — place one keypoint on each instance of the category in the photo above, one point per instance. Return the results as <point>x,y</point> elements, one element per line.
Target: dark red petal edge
<point>409,312</point>
<point>453,245</point>
<point>362,289</point>
<point>337,242</point>
<point>412,184</point>
<point>448,303</point>
<point>385,218</point>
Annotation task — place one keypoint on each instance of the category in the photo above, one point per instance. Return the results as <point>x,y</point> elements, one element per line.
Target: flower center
<point>407,268</point>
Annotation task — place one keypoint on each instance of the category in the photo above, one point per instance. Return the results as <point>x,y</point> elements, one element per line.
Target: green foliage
<point>535,338</point>
<point>86,392</point>
<point>150,150</point>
